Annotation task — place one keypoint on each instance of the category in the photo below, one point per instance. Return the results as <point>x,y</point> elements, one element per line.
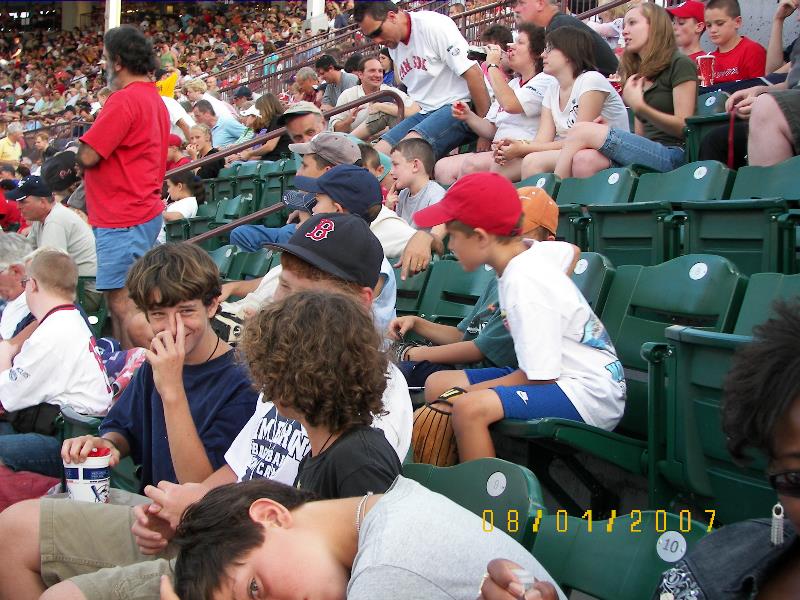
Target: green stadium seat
<point>593,275</point>
<point>249,265</point>
<point>72,424</point>
<point>611,186</point>
<point>409,292</point>
<point>225,183</point>
<point>696,466</point>
<point>619,559</point>
<point>756,230</point>
<point>249,181</point>
<point>451,292</point>
<point>703,291</point>
<point>549,182</point>
<point>492,488</point>
<point>710,113</point>
<point>223,258</point>
<point>97,317</point>
<point>647,231</point>
<point>232,209</point>
<point>177,231</point>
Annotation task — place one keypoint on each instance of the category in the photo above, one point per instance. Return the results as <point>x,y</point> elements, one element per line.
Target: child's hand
<point>392,197</point>
<point>461,110</point>
<point>400,326</point>
<point>785,8</point>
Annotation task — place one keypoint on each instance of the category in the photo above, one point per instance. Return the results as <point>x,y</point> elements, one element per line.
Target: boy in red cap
<point>689,23</point>
<point>175,156</point>
<point>568,367</point>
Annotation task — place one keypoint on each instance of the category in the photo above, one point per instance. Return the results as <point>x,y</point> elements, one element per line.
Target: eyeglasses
<point>377,32</point>
<point>786,483</point>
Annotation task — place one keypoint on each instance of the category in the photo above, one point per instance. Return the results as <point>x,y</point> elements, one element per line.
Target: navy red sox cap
<point>339,244</point>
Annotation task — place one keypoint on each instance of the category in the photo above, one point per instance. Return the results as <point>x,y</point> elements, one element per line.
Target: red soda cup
<point>705,65</point>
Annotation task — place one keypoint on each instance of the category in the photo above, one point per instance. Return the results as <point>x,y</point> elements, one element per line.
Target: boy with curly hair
<point>298,364</point>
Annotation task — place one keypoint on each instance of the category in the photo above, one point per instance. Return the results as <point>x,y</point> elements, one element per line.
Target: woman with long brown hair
<point>262,118</point>
<point>659,84</point>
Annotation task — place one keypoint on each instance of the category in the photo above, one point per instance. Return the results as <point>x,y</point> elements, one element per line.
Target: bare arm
<point>477,89</point>
<point>684,98</point>
<point>87,156</point>
<point>435,332</point>
<point>458,352</point>
<point>775,47</point>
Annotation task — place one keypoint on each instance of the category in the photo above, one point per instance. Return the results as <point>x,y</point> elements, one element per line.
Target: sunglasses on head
<point>786,483</point>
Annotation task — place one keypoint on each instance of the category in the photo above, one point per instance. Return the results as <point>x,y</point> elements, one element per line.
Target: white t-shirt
<point>557,336</point>
<point>176,113</point>
<point>614,112</point>
<point>16,310</point>
<point>272,446</point>
<point>187,207</point>
<point>59,364</point>
<point>356,92</point>
<point>524,125</point>
<point>431,64</point>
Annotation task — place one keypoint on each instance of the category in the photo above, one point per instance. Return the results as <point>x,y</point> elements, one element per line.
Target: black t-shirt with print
<point>359,461</point>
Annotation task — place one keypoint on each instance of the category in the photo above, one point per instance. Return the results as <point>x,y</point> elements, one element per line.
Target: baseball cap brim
<point>433,215</point>
<point>315,260</point>
<point>304,148</point>
<point>307,184</point>
<point>16,194</point>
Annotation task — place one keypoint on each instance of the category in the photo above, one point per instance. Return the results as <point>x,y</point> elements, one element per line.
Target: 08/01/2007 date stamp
<point>635,521</point>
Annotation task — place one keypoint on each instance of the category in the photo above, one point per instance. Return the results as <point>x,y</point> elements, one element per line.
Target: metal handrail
<point>387,94</point>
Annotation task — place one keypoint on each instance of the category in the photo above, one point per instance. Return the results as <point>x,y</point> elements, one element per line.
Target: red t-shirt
<point>185,160</point>
<point>748,59</point>
<point>130,134</point>
<point>10,214</point>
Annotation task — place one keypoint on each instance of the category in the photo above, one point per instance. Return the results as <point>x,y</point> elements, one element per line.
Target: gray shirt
<point>407,204</point>
<point>420,542</point>
<point>334,90</point>
<point>65,230</point>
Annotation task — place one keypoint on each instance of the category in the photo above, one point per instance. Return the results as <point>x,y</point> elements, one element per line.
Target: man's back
<point>420,542</point>
<point>58,365</point>
<point>130,135</point>
<point>65,230</point>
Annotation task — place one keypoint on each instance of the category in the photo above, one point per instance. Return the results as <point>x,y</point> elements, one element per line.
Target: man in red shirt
<point>737,57</point>
<point>124,157</point>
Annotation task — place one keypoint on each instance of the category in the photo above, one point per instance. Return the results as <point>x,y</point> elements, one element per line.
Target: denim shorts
<point>527,402</point>
<point>119,247</point>
<point>624,148</point>
<point>438,128</point>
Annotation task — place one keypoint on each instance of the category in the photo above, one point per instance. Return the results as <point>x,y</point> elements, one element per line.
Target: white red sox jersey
<point>431,60</point>
<point>58,365</point>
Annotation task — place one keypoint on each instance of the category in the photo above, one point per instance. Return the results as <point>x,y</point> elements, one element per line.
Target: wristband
<point>491,65</point>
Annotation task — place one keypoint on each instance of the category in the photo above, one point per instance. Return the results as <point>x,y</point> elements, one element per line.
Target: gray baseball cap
<point>336,148</point>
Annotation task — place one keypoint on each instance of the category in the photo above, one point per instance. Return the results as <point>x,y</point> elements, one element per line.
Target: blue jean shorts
<point>119,247</point>
<point>624,148</point>
<point>527,402</point>
<point>438,128</point>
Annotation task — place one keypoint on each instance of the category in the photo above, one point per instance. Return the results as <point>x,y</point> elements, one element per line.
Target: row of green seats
<point>236,265</point>
<point>748,216</point>
<point>265,181</point>
<point>675,327</point>
<point>621,559</point>
<point>210,215</point>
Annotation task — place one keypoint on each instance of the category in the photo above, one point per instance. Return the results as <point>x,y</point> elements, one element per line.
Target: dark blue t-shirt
<point>221,401</point>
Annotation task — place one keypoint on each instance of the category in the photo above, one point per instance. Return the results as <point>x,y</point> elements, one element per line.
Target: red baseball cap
<point>689,10</point>
<point>485,200</point>
<point>174,140</point>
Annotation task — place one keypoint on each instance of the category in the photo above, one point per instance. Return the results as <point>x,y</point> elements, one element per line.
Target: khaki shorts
<point>92,546</point>
<point>378,121</point>
<point>789,103</point>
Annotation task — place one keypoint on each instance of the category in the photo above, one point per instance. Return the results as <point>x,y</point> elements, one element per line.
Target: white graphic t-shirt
<point>558,337</point>
<point>431,64</point>
<point>524,125</point>
<point>614,112</point>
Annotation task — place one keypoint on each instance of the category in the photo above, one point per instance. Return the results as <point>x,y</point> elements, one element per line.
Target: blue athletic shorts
<point>527,402</point>
<point>118,248</point>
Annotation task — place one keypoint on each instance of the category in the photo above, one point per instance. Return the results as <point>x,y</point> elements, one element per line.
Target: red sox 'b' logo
<point>321,231</point>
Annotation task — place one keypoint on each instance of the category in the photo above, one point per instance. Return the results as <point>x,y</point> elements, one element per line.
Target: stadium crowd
<point>287,450</point>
